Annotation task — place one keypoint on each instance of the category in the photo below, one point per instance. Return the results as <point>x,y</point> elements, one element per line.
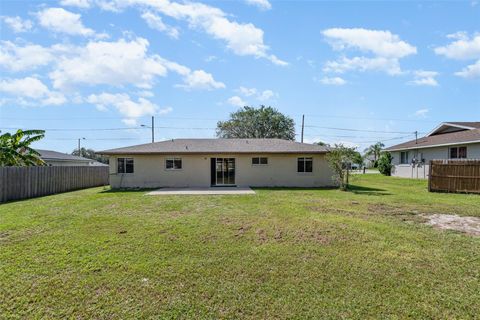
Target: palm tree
<point>375,150</point>
<point>15,148</point>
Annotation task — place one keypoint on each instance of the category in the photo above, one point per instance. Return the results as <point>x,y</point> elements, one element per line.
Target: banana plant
<point>15,148</point>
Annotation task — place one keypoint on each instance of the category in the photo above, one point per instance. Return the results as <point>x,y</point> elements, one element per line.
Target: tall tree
<point>375,150</point>
<point>90,154</point>
<point>15,148</point>
<point>263,122</point>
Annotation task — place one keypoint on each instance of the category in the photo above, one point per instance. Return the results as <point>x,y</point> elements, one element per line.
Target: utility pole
<point>153,129</point>
<point>416,137</point>
<point>303,125</point>
<point>79,149</point>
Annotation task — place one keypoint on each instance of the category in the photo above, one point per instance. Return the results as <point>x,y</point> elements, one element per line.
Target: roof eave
<point>432,145</point>
<point>208,152</point>
<point>448,124</point>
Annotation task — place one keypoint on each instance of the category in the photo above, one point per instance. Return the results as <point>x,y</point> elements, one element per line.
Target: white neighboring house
<point>449,140</point>
<point>54,158</point>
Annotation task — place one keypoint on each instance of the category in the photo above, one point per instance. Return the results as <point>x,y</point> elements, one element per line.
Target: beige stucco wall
<point>281,171</point>
<point>421,171</point>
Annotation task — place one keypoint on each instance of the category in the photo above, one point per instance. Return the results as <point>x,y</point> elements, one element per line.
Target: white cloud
<point>156,22</point>
<point>381,43</point>
<point>200,79</point>
<point>344,64</point>
<point>63,21</point>
<point>265,95</point>
<point>197,79</point>
<point>241,38</point>
<point>424,78</point>
<point>236,101</point>
<point>387,49</point>
<point>261,4</point>
<point>471,71</point>
<point>421,113</point>
<point>132,110</point>
<point>334,81</point>
<point>131,122</point>
<point>18,58</point>
<point>165,110</point>
<point>112,63</point>
<point>31,88</point>
<point>247,91</point>
<point>18,24</point>
<point>259,95</point>
<point>76,3</point>
<point>464,48</point>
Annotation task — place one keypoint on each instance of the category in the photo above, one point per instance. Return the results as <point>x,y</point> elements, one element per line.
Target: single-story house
<point>54,158</point>
<point>449,140</point>
<point>219,162</point>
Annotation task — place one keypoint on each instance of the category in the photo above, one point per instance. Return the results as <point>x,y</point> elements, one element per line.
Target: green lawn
<point>283,253</point>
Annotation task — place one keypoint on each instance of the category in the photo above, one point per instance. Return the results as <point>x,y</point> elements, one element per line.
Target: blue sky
<point>99,69</point>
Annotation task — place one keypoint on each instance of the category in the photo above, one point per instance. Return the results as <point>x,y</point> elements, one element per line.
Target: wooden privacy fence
<point>28,182</point>
<point>461,176</point>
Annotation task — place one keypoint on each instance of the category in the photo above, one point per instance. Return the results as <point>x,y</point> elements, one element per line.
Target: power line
<point>115,129</point>
<point>360,130</point>
<point>94,139</point>
<point>368,118</point>
<point>217,119</point>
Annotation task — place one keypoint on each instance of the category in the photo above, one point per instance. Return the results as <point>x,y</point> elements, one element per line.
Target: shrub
<point>385,163</point>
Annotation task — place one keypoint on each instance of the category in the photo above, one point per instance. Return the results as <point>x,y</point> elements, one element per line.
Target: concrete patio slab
<point>201,191</point>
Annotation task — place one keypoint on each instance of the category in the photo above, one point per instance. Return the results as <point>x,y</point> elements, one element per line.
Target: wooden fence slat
<point>28,182</point>
<point>460,176</point>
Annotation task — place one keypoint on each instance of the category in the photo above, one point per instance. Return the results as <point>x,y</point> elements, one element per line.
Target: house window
<point>404,157</point>
<point>304,165</point>
<point>173,163</point>
<point>125,165</point>
<point>259,161</point>
<point>458,153</point>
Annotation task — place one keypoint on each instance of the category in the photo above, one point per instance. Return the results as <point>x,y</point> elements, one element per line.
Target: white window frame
<point>259,161</point>
<point>125,165</point>
<point>173,159</point>
<point>304,165</point>
<point>458,152</point>
<point>406,157</point>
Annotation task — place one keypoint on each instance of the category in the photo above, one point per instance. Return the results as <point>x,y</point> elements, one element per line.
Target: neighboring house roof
<point>445,139</point>
<point>447,127</point>
<point>186,146</point>
<point>472,125</point>
<point>58,156</point>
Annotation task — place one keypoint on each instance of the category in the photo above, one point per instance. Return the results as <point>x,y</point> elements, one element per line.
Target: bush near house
<point>385,163</point>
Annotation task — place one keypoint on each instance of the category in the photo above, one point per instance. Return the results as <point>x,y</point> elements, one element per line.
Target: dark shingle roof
<point>182,146</point>
<point>458,137</point>
<point>54,155</point>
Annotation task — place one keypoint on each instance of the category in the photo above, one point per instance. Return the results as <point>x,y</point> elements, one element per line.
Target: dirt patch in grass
<point>300,236</point>
<point>469,225</point>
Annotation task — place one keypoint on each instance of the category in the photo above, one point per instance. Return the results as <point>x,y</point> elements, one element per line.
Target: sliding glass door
<point>224,171</point>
